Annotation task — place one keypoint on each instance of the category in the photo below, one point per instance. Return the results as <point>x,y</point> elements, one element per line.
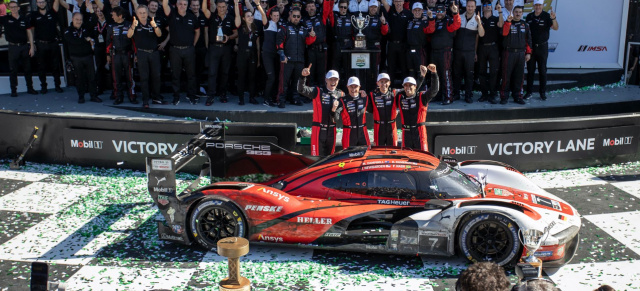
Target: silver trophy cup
<point>360,23</point>
<point>532,239</point>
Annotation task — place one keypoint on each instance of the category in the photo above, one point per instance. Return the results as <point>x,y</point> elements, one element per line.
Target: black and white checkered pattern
<point>96,229</point>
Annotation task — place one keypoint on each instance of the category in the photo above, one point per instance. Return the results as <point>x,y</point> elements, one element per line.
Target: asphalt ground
<point>96,229</point>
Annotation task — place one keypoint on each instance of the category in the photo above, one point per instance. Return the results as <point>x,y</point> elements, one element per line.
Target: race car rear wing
<point>224,159</point>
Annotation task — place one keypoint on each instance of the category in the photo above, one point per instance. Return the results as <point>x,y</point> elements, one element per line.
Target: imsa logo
<point>588,48</point>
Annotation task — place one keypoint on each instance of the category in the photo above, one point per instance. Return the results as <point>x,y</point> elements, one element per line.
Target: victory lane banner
<point>519,148</point>
<point>117,146</point>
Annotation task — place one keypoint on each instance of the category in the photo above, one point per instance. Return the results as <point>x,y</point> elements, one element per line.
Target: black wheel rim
<point>216,224</point>
<point>489,241</point>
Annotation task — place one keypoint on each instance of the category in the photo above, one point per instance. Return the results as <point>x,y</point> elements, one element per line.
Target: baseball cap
<point>383,76</point>
<point>440,7</point>
<point>409,80</point>
<point>353,81</point>
<point>535,2</point>
<point>416,5</point>
<point>332,74</point>
<point>373,3</point>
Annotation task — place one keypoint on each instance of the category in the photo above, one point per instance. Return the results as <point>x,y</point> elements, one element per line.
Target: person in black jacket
<point>19,34</point>
<point>80,47</point>
<point>145,33</point>
<point>489,53</point>
<point>248,58</point>
<point>442,30</point>
<point>292,41</point>
<point>540,22</point>
<point>45,22</point>
<point>270,58</point>
<point>317,51</point>
<point>221,30</point>
<point>517,51</point>
<point>464,51</point>
<point>119,50</point>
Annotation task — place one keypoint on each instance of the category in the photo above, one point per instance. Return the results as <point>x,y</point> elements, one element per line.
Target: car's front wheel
<point>213,220</point>
<point>489,237</point>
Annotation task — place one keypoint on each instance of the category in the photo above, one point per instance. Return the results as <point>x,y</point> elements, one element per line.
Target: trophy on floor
<point>530,266</point>
<point>360,23</point>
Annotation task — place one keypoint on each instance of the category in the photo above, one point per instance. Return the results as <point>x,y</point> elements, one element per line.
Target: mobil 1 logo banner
<point>532,147</point>
<point>131,147</point>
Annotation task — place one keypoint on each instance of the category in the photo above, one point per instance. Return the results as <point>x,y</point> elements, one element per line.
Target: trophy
<point>360,23</point>
<point>530,266</point>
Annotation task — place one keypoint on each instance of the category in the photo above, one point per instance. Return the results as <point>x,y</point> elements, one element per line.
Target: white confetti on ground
<point>621,226</point>
<point>588,276</point>
<point>631,187</point>
<point>22,176</point>
<point>566,178</point>
<point>258,253</point>
<point>120,278</point>
<point>42,197</point>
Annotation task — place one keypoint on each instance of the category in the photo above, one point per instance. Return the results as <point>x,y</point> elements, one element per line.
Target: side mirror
<point>437,204</point>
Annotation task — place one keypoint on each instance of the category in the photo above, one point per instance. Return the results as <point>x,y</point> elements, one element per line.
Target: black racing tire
<point>214,219</point>
<point>489,237</point>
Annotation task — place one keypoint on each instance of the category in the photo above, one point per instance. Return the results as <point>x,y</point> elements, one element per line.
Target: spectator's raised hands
<point>454,8</point>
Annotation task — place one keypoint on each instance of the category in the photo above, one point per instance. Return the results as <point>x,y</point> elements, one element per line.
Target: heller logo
<point>588,48</point>
<point>608,142</point>
<point>263,208</point>
<point>466,150</point>
<point>314,220</point>
<point>87,144</point>
<point>268,238</point>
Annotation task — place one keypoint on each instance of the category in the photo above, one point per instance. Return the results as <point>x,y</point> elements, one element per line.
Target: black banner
<point>519,148</point>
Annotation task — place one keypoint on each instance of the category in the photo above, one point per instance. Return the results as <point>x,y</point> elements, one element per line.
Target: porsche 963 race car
<point>377,200</point>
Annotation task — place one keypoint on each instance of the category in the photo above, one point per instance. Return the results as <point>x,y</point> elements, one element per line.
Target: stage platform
<point>576,122</point>
<point>597,101</point>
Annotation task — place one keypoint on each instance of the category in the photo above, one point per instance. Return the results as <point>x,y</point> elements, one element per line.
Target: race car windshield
<point>449,183</point>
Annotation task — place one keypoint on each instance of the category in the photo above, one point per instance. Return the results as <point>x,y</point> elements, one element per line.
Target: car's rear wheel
<point>489,237</point>
<point>213,220</point>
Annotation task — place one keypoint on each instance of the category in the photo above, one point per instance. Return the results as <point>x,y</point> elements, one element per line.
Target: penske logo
<point>268,238</point>
<point>274,194</point>
<point>263,208</point>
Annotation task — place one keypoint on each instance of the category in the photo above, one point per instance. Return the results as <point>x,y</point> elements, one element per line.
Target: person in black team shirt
<point>185,32</point>
<point>517,51</point>
<point>220,50</point>
<point>201,48</point>
<point>540,22</point>
<point>291,41</point>
<point>97,25</point>
<point>19,34</point>
<point>488,52</point>
<point>416,40</point>
<point>443,28</point>
<point>145,34</point>
<point>373,33</point>
<point>79,44</point>
<point>45,23</point>
<point>270,58</point>
<point>119,50</point>
<point>464,53</point>
<point>343,34</point>
<point>317,51</point>
<point>398,19</point>
<point>248,47</point>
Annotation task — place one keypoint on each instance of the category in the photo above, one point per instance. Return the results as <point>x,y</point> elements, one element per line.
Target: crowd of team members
<point>273,40</point>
